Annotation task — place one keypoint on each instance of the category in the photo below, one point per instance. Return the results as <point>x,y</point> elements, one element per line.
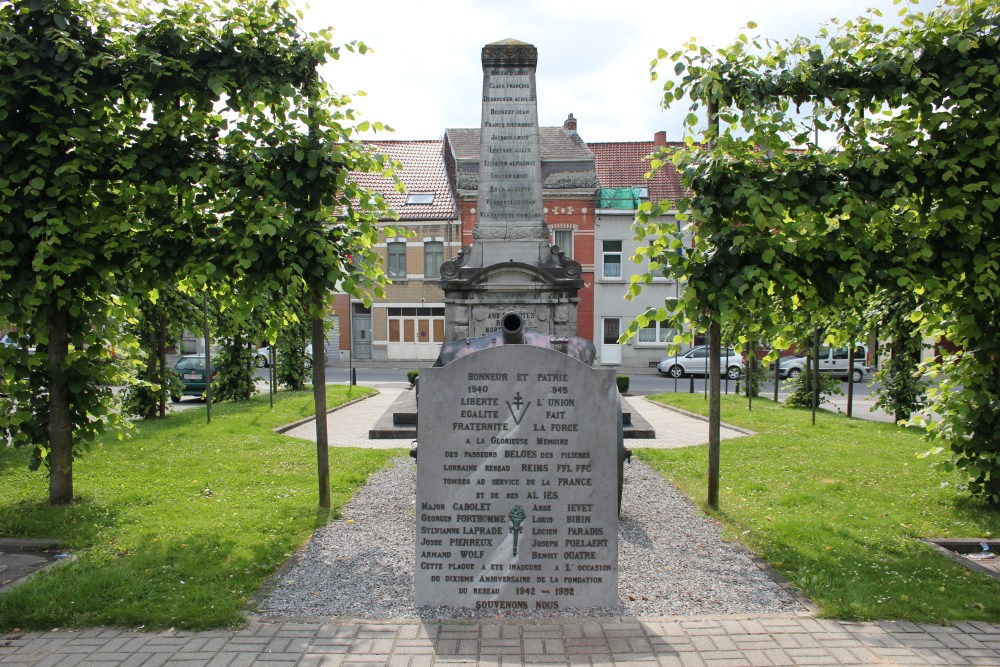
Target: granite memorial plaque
<point>517,483</point>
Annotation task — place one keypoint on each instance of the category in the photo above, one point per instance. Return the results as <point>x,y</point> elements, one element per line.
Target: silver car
<point>695,362</point>
<point>262,357</point>
<point>832,361</point>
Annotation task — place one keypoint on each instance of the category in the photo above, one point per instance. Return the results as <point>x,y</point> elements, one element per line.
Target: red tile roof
<point>423,172</point>
<point>555,143</point>
<point>623,164</point>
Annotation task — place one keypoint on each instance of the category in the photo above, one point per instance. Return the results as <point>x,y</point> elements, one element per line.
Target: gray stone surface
<point>400,421</point>
<point>517,483</point>
<point>511,266</point>
<point>22,557</point>
<point>730,640</point>
<point>510,163</point>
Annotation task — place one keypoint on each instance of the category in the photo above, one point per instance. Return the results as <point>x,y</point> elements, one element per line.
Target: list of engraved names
<point>510,170</point>
<point>516,505</point>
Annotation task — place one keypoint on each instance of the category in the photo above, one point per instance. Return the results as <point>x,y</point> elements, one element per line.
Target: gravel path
<point>672,560</point>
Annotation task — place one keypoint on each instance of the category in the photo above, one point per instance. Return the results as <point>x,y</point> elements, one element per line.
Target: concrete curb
<point>695,415</point>
<point>305,420</point>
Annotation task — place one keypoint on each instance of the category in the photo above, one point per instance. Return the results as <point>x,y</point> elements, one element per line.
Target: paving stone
<point>944,656</point>
<point>221,660</point>
<point>545,660</point>
<point>321,661</point>
<point>691,660</point>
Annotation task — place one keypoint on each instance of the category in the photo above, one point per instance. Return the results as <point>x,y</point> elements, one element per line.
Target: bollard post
<point>692,385</point>
<point>354,376</point>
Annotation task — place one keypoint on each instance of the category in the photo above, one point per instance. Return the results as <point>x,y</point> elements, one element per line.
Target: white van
<point>832,360</point>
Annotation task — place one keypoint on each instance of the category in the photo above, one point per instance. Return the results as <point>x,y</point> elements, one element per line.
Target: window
<point>612,330</point>
<point>191,364</point>
<point>420,198</point>
<point>564,239</point>
<point>433,257</point>
<point>656,332</point>
<point>641,191</point>
<point>396,259</point>
<point>612,259</point>
<point>657,273</point>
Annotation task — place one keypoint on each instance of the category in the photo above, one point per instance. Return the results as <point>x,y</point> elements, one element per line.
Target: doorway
<point>611,349</point>
<point>361,333</point>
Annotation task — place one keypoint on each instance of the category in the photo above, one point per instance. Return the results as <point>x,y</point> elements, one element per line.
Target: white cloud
<point>424,74</point>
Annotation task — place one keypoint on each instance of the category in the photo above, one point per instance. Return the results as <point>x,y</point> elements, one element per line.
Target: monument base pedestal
<point>491,278</point>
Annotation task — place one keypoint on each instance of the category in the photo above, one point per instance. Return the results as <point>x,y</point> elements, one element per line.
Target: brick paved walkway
<point>759,640</point>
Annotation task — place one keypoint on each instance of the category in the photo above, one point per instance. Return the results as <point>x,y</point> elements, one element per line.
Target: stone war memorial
<point>519,438</point>
<point>511,267</point>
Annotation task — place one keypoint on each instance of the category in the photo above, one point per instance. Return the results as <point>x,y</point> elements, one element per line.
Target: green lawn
<point>180,524</point>
<point>837,508</point>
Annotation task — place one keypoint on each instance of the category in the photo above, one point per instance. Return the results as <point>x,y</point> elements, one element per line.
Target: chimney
<point>570,123</point>
<point>660,138</point>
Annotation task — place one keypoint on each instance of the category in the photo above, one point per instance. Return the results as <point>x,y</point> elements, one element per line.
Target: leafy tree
<point>291,363</point>
<point>141,142</point>
<point>64,224</point>
<point>234,365</point>
<point>908,198</point>
<point>801,395</point>
<point>160,315</point>
<point>901,390</point>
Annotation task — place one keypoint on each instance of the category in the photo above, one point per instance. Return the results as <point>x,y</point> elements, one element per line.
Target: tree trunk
<point>319,399</point>
<point>60,423</point>
<point>714,413</point>
<point>161,353</point>
<point>148,407</point>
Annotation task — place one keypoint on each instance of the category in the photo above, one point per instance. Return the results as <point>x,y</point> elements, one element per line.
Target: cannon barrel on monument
<point>512,327</point>
<point>513,332</point>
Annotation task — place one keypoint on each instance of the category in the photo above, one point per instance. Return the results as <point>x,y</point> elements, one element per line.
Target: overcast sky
<point>424,73</point>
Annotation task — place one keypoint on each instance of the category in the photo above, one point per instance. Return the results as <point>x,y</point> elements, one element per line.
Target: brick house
<point>569,188</point>
<point>590,191</point>
<point>408,324</point>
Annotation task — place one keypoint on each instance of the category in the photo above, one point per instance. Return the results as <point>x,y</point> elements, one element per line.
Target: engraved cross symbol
<point>515,408</point>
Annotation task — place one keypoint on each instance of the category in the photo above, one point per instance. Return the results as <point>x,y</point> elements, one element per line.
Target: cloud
<point>424,74</point>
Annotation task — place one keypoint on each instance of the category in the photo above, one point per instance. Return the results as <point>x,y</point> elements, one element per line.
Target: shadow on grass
<point>76,526</point>
<point>973,509</point>
<point>195,581</point>
<point>14,457</point>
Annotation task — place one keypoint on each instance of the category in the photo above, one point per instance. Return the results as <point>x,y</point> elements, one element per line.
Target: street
<point>641,383</point>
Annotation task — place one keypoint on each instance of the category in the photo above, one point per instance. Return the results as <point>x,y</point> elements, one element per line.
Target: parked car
<point>695,362</point>
<point>262,357</point>
<point>11,339</point>
<point>190,371</point>
<point>832,360</point>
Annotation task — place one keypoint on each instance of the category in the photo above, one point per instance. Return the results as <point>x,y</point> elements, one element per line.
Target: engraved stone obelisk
<point>510,161</point>
<point>510,267</point>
